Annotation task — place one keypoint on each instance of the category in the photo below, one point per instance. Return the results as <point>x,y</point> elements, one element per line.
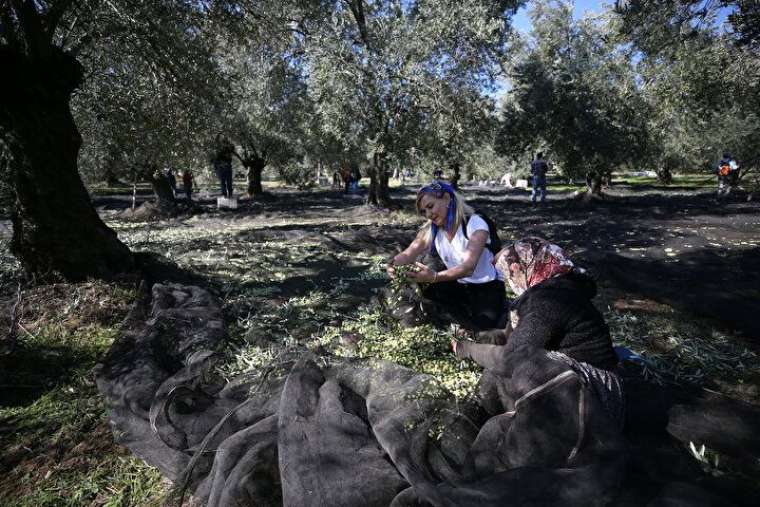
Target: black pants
<point>474,306</point>
<point>225,180</point>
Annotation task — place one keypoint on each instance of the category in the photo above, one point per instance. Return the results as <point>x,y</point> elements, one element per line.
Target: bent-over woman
<point>552,389</point>
<point>553,313</point>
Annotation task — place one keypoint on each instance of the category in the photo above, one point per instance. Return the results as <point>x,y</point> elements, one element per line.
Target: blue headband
<point>439,188</point>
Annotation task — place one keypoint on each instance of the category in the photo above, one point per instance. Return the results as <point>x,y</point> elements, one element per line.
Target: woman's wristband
<point>435,276</point>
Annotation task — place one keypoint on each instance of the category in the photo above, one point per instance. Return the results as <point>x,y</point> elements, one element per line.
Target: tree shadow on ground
<point>720,282</point>
<point>724,286</point>
<point>325,276</point>
<point>30,372</point>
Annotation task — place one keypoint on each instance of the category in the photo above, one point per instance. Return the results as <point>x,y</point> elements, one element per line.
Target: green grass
<point>679,348</point>
<point>62,454</point>
<point>562,188</point>
<point>694,181</point>
<point>56,446</point>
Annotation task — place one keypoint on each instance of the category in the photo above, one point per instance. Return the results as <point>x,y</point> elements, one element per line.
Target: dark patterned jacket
<point>556,314</point>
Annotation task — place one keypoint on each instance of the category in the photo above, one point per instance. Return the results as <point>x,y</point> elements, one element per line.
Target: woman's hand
<point>422,274</point>
<point>390,269</point>
<point>394,262</point>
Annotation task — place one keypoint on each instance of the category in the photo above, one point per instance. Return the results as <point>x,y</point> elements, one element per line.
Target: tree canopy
<point>574,94</point>
<point>702,83</point>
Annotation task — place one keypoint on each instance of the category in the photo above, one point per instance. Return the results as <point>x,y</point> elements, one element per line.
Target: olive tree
<point>52,48</point>
<point>573,93</point>
<point>383,75</point>
<point>269,109</point>
<point>149,64</point>
<point>702,84</point>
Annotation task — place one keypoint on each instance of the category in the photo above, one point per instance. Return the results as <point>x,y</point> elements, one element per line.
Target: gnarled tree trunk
<point>379,194</point>
<point>254,162</point>
<point>455,175</point>
<point>56,230</point>
<point>664,175</point>
<point>255,166</point>
<point>165,199</point>
<point>594,183</point>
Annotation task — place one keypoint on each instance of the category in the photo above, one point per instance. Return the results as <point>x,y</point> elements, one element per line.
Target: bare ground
<point>676,270</point>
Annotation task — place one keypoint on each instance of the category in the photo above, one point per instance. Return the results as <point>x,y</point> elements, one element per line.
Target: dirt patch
<point>640,305</point>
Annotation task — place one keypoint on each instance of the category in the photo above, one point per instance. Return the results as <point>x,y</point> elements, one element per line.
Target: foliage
<point>386,76</point>
<point>402,281</point>
<point>150,80</point>
<point>573,94</point>
<point>267,109</point>
<point>702,86</point>
<point>662,26</point>
<point>682,351</point>
<point>64,455</point>
<point>297,173</point>
<point>708,459</point>
<point>57,448</point>
<point>372,334</point>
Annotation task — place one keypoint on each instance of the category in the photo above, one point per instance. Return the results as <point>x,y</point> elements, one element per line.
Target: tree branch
<point>357,9</point>
<point>31,24</point>
<point>54,15</point>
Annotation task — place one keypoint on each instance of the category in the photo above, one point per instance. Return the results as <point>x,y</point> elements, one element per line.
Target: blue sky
<point>522,22</point>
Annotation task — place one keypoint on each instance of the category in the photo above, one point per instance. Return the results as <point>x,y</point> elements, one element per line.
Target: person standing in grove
<point>345,176</point>
<point>538,169</point>
<point>727,171</point>
<point>187,183</point>
<point>356,177</point>
<point>223,164</point>
<point>171,179</point>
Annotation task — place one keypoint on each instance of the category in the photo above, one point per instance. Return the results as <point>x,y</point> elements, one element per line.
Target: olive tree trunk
<point>379,193</point>
<point>56,231</point>
<point>456,170</point>
<point>254,169</point>
<point>594,183</point>
<point>162,190</point>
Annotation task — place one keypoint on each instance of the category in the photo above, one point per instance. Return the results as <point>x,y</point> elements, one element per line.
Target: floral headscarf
<point>530,261</point>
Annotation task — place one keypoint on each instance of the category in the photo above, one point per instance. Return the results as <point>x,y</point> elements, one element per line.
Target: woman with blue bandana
<point>469,291</point>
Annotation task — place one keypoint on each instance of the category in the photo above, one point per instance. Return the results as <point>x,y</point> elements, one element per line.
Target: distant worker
<point>345,175</point>
<point>223,164</point>
<point>438,174</point>
<point>727,172</point>
<point>187,183</point>
<point>538,170</point>
<point>356,177</point>
<point>169,175</point>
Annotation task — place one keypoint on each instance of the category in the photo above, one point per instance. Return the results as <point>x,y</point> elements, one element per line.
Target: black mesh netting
<point>320,430</point>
